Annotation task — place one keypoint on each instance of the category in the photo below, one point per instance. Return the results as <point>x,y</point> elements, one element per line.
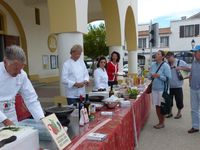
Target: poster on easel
<point>57,132</point>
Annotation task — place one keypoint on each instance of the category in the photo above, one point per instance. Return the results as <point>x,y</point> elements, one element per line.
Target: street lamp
<point>193,43</point>
<point>143,51</point>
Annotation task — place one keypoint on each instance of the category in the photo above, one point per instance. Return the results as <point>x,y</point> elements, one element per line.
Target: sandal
<point>169,116</point>
<point>159,126</point>
<point>178,116</point>
<point>193,130</point>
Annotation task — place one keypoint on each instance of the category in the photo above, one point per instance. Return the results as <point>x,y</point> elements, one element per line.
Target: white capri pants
<point>157,98</point>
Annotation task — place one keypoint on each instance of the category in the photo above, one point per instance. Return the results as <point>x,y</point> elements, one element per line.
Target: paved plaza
<point>174,136</point>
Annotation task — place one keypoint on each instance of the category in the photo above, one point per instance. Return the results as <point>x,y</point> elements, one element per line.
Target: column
<point>132,62</point>
<point>65,43</point>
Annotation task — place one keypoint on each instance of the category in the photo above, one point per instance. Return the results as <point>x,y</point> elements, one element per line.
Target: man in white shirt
<point>13,79</point>
<point>75,75</point>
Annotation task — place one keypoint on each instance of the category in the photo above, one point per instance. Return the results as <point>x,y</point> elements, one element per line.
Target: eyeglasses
<point>167,57</point>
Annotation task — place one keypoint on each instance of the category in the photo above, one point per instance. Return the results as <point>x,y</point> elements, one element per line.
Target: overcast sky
<point>166,10</point>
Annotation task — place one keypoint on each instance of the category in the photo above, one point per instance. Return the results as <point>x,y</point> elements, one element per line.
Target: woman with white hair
<point>74,75</point>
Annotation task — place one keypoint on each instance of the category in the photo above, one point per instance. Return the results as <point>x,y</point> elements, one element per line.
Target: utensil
<point>98,105</point>
<point>8,140</point>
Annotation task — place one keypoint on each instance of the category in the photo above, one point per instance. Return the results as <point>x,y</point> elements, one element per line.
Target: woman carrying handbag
<point>159,73</point>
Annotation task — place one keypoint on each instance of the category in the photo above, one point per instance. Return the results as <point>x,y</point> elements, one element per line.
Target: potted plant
<point>133,93</point>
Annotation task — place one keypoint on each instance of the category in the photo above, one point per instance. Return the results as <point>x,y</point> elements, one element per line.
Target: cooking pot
<point>62,113</point>
<point>96,98</point>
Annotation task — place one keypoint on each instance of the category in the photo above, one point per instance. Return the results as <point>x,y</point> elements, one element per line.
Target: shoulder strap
<point>166,84</point>
<point>159,67</point>
<point>178,62</point>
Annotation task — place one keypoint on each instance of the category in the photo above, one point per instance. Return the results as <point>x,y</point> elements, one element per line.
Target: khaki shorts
<point>157,98</point>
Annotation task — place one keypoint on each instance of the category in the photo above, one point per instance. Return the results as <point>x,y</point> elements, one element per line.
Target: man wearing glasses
<point>13,79</point>
<point>176,82</point>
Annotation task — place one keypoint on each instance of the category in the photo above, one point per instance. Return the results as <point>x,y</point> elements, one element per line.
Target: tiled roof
<point>164,31</point>
<point>161,31</point>
<point>143,33</point>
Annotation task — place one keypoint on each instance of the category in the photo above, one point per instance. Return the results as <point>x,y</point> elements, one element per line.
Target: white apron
<point>8,108</point>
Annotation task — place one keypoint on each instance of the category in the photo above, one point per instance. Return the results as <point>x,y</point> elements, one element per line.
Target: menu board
<point>56,130</point>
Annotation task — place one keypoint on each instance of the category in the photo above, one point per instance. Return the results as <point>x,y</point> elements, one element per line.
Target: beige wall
<point>36,35</point>
<point>11,28</point>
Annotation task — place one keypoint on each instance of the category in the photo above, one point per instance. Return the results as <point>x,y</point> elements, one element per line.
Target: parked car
<point>88,64</point>
<point>125,69</point>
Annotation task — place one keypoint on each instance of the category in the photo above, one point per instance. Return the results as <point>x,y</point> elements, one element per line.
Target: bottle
<point>81,119</point>
<point>135,79</point>
<point>87,103</point>
<point>111,92</point>
<point>81,98</point>
<point>92,110</point>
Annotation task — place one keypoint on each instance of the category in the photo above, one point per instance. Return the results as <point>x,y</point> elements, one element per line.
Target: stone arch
<point>19,27</point>
<point>130,30</point>
<point>66,10</point>
<point>68,16</point>
<point>3,22</point>
<point>112,22</point>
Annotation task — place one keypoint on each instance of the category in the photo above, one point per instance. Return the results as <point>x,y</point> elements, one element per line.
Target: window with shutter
<point>37,16</point>
<point>142,43</point>
<point>164,41</point>
<point>181,31</point>
<point>196,29</point>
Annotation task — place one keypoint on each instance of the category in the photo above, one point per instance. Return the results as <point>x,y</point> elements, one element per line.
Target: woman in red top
<point>112,68</point>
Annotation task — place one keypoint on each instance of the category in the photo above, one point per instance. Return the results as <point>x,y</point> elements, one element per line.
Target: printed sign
<point>57,131</point>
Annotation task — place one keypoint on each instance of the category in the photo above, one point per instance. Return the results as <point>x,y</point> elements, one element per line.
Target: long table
<point>118,127</point>
<point>123,128</point>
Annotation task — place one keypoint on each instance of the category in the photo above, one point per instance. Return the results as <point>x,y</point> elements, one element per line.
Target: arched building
<point>47,29</point>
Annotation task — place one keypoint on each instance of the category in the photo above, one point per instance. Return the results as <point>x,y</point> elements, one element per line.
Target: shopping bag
<point>166,106</point>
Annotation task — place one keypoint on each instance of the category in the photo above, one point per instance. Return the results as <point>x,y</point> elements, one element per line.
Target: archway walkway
<point>174,136</point>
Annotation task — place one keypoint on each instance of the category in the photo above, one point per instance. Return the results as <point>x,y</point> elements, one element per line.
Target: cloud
<point>151,9</point>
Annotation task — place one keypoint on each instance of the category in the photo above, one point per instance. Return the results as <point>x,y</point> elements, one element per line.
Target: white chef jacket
<point>74,71</point>
<point>100,78</point>
<point>10,86</point>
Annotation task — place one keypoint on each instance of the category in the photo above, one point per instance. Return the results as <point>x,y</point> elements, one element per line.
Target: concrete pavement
<point>174,136</point>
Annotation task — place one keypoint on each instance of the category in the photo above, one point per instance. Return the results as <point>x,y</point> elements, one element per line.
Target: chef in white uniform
<point>13,79</point>
<point>74,75</point>
<point>100,75</point>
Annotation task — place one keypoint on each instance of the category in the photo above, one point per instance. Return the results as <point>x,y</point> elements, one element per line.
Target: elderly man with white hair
<point>75,75</point>
<point>13,80</point>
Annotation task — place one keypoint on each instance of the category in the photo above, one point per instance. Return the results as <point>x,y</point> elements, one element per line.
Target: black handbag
<point>166,106</point>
